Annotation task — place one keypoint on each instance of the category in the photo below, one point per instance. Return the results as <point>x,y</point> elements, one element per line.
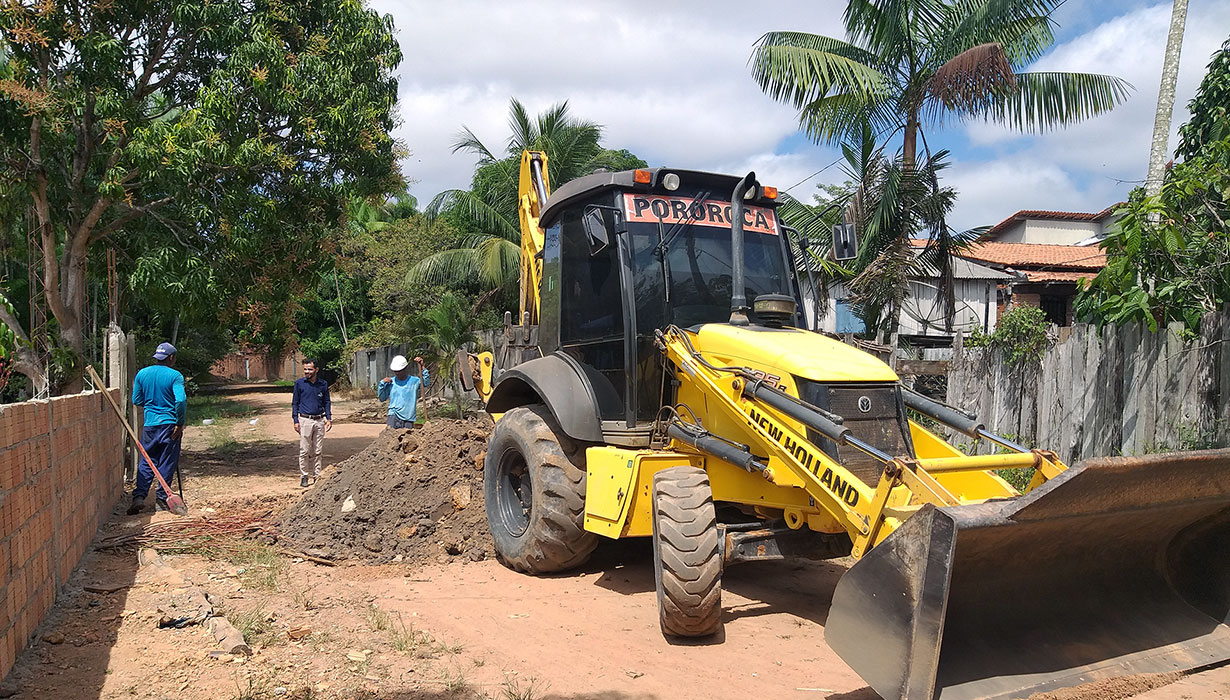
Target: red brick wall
<point>61,471</point>
<point>260,367</point>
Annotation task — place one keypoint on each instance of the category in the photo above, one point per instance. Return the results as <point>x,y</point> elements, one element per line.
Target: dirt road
<point>428,632</point>
<point>595,634</point>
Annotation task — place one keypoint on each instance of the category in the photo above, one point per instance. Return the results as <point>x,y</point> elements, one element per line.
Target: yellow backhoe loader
<point>664,384</point>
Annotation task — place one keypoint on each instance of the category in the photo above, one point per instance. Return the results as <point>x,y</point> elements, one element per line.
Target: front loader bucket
<point>1117,566</point>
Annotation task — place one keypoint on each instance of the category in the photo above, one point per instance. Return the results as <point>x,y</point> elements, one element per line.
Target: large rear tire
<point>534,487</point>
<point>687,553</point>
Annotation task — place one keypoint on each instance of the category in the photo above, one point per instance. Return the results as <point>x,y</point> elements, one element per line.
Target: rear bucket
<point>1117,566</point>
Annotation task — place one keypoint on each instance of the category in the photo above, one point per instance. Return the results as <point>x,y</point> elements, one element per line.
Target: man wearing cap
<point>160,390</point>
<point>313,415</point>
<point>402,392</point>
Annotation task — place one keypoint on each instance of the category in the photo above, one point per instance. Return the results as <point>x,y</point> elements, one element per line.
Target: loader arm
<point>780,421</point>
<point>533,189</point>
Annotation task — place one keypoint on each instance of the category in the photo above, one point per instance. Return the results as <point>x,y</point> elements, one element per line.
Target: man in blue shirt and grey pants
<point>160,390</point>
<point>311,410</point>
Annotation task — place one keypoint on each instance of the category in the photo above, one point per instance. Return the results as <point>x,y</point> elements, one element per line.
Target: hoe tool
<point>1117,566</point>
<point>174,503</point>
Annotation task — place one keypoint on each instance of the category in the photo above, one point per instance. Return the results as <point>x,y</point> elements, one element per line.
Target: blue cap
<point>163,351</point>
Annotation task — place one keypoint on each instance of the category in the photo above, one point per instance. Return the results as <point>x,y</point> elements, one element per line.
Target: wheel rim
<point>514,494</point>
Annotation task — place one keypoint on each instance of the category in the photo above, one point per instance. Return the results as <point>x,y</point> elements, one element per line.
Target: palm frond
<point>801,68</point>
<point>446,266</point>
<point>970,82</point>
<point>473,206</point>
<point>1022,27</point>
<point>499,262</point>
<point>886,26</point>
<point>1047,100</point>
<point>523,129</point>
<point>466,140</point>
<point>843,116</point>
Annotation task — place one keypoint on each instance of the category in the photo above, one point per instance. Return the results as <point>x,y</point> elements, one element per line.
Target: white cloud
<point>1109,152</point>
<point>990,191</point>
<point>668,82</point>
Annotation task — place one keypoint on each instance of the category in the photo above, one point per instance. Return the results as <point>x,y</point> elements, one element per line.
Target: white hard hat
<point>399,363</point>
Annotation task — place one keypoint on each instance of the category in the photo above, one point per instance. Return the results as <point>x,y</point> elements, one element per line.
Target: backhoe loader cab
<point>662,384</point>
<point>623,259</point>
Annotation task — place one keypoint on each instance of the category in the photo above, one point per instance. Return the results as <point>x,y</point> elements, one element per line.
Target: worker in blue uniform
<point>159,389</point>
<point>402,392</point>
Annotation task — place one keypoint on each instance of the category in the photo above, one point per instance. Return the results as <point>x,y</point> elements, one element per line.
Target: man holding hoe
<point>159,389</point>
<point>402,391</point>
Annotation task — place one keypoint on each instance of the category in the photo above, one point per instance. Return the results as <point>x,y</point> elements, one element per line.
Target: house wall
<point>1052,232</point>
<point>923,314</point>
<point>61,471</point>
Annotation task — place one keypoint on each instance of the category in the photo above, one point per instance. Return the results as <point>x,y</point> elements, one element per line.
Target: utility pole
<point>1165,99</point>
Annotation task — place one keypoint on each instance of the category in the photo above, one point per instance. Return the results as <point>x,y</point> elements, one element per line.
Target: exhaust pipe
<point>738,295</point>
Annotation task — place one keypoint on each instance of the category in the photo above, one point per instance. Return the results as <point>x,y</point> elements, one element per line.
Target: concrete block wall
<point>61,471</point>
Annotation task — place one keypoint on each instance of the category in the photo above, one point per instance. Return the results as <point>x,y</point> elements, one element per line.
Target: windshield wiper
<point>674,231</point>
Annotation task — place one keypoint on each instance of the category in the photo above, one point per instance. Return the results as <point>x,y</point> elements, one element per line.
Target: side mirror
<point>845,243</point>
<point>596,228</point>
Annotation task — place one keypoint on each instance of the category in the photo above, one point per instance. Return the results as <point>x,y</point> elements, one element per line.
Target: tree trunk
<point>909,149</point>
<point>340,309</point>
<point>72,325</point>
<point>1165,100</point>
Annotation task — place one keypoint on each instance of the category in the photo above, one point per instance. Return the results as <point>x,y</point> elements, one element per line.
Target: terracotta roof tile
<point>1050,216</point>
<point>1051,276</point>
<point>1038,255</point>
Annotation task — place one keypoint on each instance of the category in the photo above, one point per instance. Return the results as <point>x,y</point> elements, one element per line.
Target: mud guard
<point>576,394</point>
<point>1117,566</point>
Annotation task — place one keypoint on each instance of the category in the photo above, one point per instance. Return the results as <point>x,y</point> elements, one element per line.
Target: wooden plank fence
<point>1117,390</point>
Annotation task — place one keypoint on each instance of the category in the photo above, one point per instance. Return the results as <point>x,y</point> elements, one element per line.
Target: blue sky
<point>670,82</point>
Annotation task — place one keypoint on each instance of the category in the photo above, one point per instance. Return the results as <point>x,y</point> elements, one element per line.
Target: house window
<point>1055,307</point>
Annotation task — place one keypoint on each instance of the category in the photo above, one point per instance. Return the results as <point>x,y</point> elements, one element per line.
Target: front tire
<point>687,555</point>
<point>534,487</point>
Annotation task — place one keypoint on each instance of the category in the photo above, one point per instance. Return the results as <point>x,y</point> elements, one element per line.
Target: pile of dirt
<point>413,495</point>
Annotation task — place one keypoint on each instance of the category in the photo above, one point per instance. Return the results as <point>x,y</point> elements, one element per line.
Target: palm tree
<point>909,64</point>
<point>491,257</point>
<point>1165,99</point>
<point>445,329</point>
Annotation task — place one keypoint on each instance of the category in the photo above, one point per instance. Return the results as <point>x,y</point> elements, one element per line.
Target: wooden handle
<point>119,412</point>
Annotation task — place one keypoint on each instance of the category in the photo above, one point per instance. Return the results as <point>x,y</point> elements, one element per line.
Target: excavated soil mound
<point>413,496</point>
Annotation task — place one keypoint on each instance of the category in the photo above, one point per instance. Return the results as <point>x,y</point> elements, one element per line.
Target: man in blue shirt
<point>160,390</point>
<point>402,392</point>
<point>313,415</point>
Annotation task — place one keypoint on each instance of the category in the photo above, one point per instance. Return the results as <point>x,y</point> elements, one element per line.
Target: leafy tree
<point>913,63</point>
<point>1210,108</point>
<point>1168,257</point>
<point>490,256</point>
<point>228,131</point>
<point>9,343</point>
<point>1020,333</point>
<point>445,329</point>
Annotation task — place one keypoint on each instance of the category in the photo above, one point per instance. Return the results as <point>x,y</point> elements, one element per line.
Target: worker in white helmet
<point>402,391</point>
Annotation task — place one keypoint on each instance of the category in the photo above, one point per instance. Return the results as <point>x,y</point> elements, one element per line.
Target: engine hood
<point>791,351</point>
